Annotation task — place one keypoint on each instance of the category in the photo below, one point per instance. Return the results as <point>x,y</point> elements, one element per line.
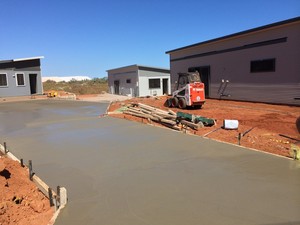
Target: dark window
<point>154,83</point>
<point>128,81</point>
<point>20,79</point>
<point>3,80</point>
<point>265,65</point>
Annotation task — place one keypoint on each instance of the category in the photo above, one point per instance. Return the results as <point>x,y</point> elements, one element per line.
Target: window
<point>20,79</point>
<point>154,83</point>
<point>265,65</point>
<point>128,81</point>
<point>3,80</point>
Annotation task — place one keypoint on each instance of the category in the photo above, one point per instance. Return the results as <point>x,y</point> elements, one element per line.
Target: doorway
<point>33,83</point>
<point>165,86</point>
<point>116,87</point>
<point>204,72</point>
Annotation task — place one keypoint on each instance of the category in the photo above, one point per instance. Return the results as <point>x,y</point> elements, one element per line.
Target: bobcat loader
<point>189,91</point>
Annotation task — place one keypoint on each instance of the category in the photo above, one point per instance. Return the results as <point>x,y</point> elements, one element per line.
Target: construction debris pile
<point>177,121</point>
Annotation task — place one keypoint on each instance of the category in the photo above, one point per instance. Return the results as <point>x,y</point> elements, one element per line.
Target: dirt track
<point>268,121</point>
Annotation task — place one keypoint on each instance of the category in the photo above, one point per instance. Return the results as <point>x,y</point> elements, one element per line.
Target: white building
<point>139,81</point>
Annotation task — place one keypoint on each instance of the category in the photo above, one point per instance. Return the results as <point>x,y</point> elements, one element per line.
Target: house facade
<point>260,65</point>
<point>20,77</point>
<point>139,81</point>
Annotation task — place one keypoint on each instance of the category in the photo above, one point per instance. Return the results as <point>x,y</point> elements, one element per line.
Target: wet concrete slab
<point>122,172</point>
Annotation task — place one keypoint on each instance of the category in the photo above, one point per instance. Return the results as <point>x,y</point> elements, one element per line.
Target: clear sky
<point>88,37</point>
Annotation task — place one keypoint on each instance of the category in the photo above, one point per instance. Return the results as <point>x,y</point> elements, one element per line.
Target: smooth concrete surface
<point>126,173</point>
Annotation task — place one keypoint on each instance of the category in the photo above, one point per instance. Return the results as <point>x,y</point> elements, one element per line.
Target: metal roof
<point>284,22</point>
<point>21,63</point>
<point>21,59</point>
<point>142,67</point>
<point>24,59</point>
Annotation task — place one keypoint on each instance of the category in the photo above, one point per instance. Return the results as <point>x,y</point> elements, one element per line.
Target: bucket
<point>231,124</point>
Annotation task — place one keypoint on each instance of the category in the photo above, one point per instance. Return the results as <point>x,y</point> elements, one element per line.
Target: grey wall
<point>139,80</point>
<point>125,88</point>
<point>122,74</point>
<point>13,90</point>
<point>281,86</point>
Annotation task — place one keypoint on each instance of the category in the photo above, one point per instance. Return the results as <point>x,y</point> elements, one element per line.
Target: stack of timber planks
<point>167,118</point>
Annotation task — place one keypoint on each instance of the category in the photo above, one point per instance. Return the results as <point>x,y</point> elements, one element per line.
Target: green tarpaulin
<point>195,118</point>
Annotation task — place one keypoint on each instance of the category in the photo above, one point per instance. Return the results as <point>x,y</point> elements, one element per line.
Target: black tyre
<point>182,103</point>
<point>168,103</point>
<point>175,102</point>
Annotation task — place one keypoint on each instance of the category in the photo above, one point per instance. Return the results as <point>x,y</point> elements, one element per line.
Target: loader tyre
<point>182,103</point>
<point>175,102</point>
<point>168,103</point>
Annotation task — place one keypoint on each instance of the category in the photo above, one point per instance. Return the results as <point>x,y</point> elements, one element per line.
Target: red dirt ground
<point>268,121</point>
<point>20,200</point>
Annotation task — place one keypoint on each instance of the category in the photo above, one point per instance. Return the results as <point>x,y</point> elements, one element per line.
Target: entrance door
<point>165,86</point>
<point>33,83</point>
<point>117,87</point>
<point>204,75</point>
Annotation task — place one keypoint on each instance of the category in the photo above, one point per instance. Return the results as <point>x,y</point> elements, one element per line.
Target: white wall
<point>144,77</point>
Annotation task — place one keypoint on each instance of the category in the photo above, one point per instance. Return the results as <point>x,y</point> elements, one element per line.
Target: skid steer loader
<point>189,91</point>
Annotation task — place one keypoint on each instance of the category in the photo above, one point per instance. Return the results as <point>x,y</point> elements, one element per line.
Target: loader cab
<point>187,78</point>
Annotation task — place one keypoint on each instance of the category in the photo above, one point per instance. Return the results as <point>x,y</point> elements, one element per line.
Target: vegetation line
<point>83,87</point>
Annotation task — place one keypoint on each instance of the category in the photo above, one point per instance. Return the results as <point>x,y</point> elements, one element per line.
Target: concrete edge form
<point>64,199</point>
<point>190,133</point>
<point>59,201</point>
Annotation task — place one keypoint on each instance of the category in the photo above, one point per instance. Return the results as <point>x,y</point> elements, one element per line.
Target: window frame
<point>260,68</point>
<point>3,86</point>
<point>17,83</point>
<point>151,86</point>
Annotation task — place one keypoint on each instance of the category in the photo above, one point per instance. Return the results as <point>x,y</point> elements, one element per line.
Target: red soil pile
<point>20,200</point>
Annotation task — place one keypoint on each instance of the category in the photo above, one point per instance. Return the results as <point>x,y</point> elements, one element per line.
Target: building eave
<point>30,58</point>
<point>261,28</point>
<point>142,67</point>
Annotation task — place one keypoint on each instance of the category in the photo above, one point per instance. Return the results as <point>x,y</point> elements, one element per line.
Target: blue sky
<point>88,37</point>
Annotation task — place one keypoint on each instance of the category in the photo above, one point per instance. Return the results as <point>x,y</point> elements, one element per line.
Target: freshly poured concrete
<point>121,172</point>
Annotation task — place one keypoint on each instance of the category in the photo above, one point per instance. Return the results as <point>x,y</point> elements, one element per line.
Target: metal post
<point>5,148</point>
<point>239,138</point>
<point>30,169</point>
<point>22,162</point>
<point>50,197</point>
<point>58,196</point>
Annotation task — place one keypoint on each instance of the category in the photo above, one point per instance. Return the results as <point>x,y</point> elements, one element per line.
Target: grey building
<point>20,77</point>
<point>260,64</point>
<point>139,81</point>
